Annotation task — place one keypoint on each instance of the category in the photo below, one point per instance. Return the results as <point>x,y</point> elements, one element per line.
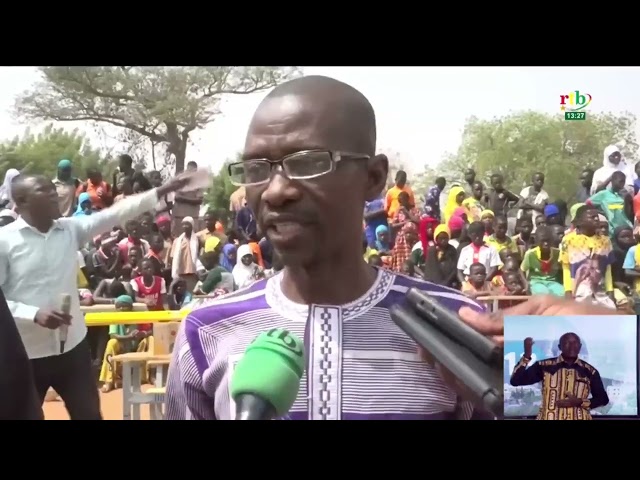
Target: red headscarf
<point>162,219</point>
<point>425,238</point>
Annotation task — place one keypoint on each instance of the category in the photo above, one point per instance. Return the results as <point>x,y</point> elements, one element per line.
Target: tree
<point>217,197</point>
<point>521,144</point>
<point>163,104</point>
<point>41,153</point>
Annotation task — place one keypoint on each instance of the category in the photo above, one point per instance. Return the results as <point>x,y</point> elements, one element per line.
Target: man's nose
<point>280,190</point>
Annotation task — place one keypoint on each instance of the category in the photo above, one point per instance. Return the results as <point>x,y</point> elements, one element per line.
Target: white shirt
<point>488,256</point>
<point>37,268</point>
<point>540,198</point>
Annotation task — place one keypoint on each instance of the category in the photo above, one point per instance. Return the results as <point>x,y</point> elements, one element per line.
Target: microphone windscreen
<point>271,369</point>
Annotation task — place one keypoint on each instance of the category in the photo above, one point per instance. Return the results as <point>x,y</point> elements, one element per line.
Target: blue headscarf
<point>381,247</point>
<point>227,250</point>
<point>83,197</point>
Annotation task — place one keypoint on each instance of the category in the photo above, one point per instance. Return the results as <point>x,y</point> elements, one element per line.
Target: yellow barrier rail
<point>102,319</point>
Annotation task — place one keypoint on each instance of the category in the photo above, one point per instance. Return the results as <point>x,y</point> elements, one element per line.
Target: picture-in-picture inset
<point>570,367</point>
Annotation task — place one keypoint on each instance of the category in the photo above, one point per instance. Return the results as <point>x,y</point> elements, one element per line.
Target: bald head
<point>22,184</point>
<point>312,112</point>
<point>35,197</point>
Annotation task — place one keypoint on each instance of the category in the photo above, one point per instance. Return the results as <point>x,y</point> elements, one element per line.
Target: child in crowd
<point>149,289</point>
<point>476,284</point>
<point>123,339</point>
<point>477,252</point>
<point>135,255</point>
<point>178,295</point>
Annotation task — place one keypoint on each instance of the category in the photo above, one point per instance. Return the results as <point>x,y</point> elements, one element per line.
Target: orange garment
<point>391,203</point>
<point>636,206</point>
<point>255,249</point>
<point>219,227</point>
<point>97,202</point>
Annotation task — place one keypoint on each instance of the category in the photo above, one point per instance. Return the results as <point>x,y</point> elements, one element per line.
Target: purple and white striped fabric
<point>361,365</point>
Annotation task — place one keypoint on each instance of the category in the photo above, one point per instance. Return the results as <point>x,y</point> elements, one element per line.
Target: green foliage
<point>41,153</point>
<point>163,104</point>
<point>521,144</point>
<point>217,197</point>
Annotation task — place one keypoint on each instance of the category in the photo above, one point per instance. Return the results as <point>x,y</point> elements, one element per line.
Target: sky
<point>420,111</point>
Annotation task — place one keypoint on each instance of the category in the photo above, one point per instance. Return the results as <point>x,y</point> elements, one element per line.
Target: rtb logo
<point>575,101</point>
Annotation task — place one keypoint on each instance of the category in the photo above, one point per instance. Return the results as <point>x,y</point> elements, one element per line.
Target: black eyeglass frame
<point>334,156</point>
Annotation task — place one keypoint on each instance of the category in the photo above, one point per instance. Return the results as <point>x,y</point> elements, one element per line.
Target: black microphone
<point>470,356</point>
<point>266,380</point>
<point>253,407</point>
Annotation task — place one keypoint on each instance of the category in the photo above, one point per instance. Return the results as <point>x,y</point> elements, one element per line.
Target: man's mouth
<point>286,228</point>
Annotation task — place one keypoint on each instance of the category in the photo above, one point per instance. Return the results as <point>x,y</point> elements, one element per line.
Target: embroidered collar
<point>299,312</point>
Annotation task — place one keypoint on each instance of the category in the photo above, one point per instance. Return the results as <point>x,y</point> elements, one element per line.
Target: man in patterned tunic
<point>309,167</point>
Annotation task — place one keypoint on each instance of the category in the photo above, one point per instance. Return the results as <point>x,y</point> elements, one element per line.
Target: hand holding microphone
<point>266,380</point>
<point>53,319</point>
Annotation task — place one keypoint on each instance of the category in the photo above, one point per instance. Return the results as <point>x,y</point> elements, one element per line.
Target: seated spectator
<point>123,339</point>
<point>499,238</point>
<point>542,266</point>
<point>476,284</point>
<point>477,252</point>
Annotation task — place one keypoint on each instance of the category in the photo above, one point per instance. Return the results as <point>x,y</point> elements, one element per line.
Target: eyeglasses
<point>303,165</point>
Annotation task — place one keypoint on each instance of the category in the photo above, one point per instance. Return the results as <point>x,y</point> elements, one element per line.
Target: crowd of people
<point>156,248</point>
<point>494,242</point>
<point>470,243</point>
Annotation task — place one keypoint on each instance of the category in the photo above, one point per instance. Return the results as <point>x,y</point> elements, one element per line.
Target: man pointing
<point>38,265</point>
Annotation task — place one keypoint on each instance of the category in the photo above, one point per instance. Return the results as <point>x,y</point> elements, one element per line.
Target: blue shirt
<point>373,206</point>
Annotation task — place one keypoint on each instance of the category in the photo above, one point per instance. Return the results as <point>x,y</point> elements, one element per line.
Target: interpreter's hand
<point>569,401</point>
<point>52,319</point>
<point>528,347</point>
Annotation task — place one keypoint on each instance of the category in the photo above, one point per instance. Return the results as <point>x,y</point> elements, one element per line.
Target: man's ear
<point>378,171</point>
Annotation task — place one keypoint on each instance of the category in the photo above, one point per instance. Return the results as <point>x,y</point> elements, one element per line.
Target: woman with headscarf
<point>6,201</point>
<point>440,265</point>
<point>456,226</point>
<point>474,204</point>
<point>454,200</point>
<point>382,240</point>
<point>402,248</point>
<point>84,205</point>
<point>246,271</point>
<point>613,161</point>
<point>487,218</point>
<point>425,233</point>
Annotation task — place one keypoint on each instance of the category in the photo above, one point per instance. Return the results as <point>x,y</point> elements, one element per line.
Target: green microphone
<point>266,380</point>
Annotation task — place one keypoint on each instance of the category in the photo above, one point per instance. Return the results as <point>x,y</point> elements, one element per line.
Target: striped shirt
<point>361,366</point>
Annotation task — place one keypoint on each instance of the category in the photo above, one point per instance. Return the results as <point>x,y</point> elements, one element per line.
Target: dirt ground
<point>111,404</point>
